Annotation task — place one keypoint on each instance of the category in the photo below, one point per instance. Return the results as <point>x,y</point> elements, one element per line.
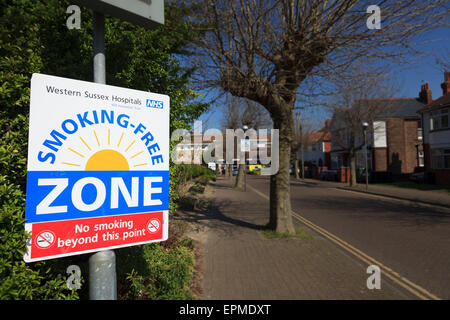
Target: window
<point>444,121</point>
<point>419,130</point>
<point>421,159</point>
<point>440,158</point>
<point>439,119</point>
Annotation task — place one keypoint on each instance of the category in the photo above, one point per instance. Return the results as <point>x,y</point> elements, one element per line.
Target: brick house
<point>394,139</point>
<point>436,131</point>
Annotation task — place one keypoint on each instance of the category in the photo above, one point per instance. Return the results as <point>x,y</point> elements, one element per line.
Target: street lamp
<point>245,127</point>
<point>364,126</point>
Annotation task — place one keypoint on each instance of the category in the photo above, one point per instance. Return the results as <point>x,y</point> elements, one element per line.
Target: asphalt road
<point>411,239</point>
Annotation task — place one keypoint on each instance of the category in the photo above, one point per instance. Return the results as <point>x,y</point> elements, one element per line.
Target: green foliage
<point>34,39</point>
<point>160,270</point>
<point>168,274</point>
<point>187,172</point>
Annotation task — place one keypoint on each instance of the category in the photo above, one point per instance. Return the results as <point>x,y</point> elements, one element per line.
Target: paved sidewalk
<point>424,196</point>
<point>240,263</point>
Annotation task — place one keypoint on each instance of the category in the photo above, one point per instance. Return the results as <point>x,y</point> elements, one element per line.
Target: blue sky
<point>409,77</point>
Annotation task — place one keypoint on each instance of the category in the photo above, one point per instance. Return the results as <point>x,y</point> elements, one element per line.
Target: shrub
<point>165,275</point>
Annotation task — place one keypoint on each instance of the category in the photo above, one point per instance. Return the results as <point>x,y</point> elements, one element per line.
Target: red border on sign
<point>94,234</point>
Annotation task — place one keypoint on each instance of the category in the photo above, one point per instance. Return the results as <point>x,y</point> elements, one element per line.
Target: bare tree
<point>300,143</point>
<point>238,112</point>
<point>443,60</point>
<point>263,50</point>
<point>255,116</point>
<point>231,119</point>
<point>360,96</point>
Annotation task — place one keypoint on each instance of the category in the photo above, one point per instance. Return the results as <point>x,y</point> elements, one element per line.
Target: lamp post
<point>364,126</point>
<point>245,127</point>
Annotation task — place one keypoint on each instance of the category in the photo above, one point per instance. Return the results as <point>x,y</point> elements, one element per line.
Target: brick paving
<point>240,263</point>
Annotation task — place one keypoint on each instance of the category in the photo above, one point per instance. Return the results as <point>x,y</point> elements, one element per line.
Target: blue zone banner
<point>65,195</point>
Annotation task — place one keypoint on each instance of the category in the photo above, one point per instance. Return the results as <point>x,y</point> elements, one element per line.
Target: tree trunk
<point>352,158</point>
<point>229,171</point>
<point>280,196</point>
<point>303,162</point>
<point>240,177</point>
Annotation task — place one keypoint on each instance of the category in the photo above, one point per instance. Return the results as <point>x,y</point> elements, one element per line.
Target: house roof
<point>443,101</point>
<point>321,135</point>
<point>399,108</point>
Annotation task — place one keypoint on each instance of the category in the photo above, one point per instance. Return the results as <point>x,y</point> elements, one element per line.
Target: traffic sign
<point>98,167</point>
<point>146,13</point>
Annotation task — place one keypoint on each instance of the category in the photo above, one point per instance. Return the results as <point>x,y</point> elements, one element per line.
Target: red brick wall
<point>402,140</point>
<point>394,128</point>
<point>410,129</point>
<point>344,174</point>
<point>380,159</point>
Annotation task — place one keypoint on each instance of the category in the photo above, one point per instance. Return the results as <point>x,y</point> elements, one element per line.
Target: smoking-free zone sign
<point>98,168</point>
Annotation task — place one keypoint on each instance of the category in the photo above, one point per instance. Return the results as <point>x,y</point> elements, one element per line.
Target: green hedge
<point>187,172</point>
<point>165,275</point>
<point>34,38</point>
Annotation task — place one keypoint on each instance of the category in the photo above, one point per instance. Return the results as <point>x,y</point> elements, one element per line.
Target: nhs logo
<point>154,104</point>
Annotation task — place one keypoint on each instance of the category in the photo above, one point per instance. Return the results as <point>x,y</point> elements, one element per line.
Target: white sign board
<point>98,167</point>
<point>146,13</point>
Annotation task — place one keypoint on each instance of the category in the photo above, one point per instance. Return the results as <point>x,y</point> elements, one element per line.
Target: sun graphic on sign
<point>105,154</point>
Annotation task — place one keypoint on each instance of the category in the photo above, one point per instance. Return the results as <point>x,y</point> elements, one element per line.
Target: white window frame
<point>440,158</point>
<point>436,118</point>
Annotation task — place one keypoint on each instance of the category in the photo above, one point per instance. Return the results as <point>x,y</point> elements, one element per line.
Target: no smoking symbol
<point>153,225</point>
<point>45,239</point>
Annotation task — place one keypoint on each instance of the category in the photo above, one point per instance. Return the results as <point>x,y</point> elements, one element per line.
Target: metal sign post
<point>102,265</point>
<point>65,220</point>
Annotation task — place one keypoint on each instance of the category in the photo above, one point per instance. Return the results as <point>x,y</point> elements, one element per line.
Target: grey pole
<point>98,35</point>
<point>102,265</point>
<point>367,169</point>
<point>102,276</point>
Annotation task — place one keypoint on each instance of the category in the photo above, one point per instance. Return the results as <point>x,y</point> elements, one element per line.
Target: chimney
<point>446,84</point>
<point>425,94</point>
<point>327,123</point>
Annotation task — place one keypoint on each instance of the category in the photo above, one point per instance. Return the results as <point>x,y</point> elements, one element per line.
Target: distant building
<point>394,138</point>
<point>318,147</point>
<point>192,151</point>
<point>436,134</point>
